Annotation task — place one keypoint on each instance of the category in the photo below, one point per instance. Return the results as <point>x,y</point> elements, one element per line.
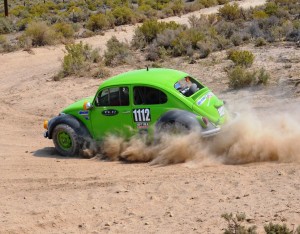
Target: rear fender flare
<point>186,118</point>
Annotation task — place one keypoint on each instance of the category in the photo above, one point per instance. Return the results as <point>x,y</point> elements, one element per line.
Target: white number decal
<point>147,117</point>
<point>141,115</point>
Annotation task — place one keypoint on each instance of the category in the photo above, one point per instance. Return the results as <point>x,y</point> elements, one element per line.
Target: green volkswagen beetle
<point>141,101</point>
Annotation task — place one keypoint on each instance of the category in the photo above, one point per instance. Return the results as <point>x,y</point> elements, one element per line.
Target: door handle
<point>126,112</point>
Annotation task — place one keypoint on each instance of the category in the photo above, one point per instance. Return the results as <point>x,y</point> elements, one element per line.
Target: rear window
<point>148,96</point>
<point>188,86</point>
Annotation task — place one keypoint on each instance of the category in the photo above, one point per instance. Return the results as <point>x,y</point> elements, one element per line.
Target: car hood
<point>77,106</point>
<point>210,106</point>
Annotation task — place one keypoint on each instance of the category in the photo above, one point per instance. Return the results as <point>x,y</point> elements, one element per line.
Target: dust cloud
<point>250,137</point>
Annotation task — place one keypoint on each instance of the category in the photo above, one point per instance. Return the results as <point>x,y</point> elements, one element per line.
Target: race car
<point>151,100</point>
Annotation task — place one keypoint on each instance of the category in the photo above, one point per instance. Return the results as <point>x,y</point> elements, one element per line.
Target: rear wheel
<point>66,140</point>
<point>173,128</point>
<point>169,128</point>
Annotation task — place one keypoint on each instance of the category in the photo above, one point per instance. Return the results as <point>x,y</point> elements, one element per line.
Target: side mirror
<point>87,105</point>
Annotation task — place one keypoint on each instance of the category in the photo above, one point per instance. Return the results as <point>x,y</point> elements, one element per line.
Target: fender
<point>70,120</point>
<point>186,118</point>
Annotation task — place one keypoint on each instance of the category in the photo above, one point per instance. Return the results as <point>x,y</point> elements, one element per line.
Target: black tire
<point>169,128</point>
<point>172,128</point>
<point>66,140</point>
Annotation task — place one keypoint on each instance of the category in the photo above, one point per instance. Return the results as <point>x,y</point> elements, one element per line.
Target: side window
<point>116,96</point>
<point>188,86</point>
<point>148,96</point>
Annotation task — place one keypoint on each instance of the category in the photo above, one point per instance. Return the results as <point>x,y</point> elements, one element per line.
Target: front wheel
<point>66,140</point>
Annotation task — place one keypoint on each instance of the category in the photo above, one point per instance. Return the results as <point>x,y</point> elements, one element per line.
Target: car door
<point>111,112</point>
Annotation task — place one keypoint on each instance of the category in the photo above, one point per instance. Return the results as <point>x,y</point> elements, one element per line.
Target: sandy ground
<point>42,192</point>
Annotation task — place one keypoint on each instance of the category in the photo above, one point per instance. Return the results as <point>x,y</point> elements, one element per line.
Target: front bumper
<point>210,132</point>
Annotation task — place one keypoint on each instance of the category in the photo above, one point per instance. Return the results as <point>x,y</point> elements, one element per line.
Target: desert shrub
<point>78,59</point>
<point>274,34</point>
<point>177,7</point>
<point>236,39</point>
<point>239,77</point>
<point>167,12</point>
<point>230,11</point>
<point>155,52</point>
<point>193,36</point>
<point>186,42</point>
<point>269,22</point>
<point>19,11</point>
<point>97,22</point>
<point>151,28</point>
<point>40,34</point>
<point>117,52</point>
<point>22,24</point>
<point>37,10</point>
<point>7,46</point>
<point>221,43</point>
<point>294,35</point>
<point>100,72</point>
<point>212,18</point>
<point>6,25</point>
<point>254,30</point>
<point>208,3</point>
<point>3,39</point>
<point>204,49</point>
<point>196,22</point>
<point>271,8</point>
<point>147,11</point>
<point>180,47</point>
<point>64,29</point>
<point>241,57</point>
<point>225,29</point>
<point>123,15</point>
<point>87,33</point>
<point>277,229</point>
<point>286,28</point>
<point>77,14</point>
<point>259,14</point>
<point>138,41</point>
<point>195,6</point>
<point>235,224</point>
<point>167,37</point>
<point>262,77</point>
<point>222,2</point>
<point>260,42</point>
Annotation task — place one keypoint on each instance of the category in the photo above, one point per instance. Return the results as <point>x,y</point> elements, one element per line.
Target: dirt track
<point>42,192</point>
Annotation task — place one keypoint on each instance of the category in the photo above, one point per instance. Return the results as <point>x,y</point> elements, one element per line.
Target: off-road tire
<point>66,140</point>
<point>172,128</point>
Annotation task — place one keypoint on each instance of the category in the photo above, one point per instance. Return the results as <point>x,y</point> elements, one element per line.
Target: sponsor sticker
<point>110,112</point>
<point>142,125</point>
<point>221,111</point>
<point>203,99</point>
<point>85,114</point>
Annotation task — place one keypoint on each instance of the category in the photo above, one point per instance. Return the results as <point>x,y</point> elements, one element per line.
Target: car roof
<point>160,77</point>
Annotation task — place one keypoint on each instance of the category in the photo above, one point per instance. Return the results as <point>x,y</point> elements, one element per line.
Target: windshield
<point>188,86</point>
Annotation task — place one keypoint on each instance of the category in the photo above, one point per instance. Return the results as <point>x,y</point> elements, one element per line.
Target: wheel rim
<point>64,140</point>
